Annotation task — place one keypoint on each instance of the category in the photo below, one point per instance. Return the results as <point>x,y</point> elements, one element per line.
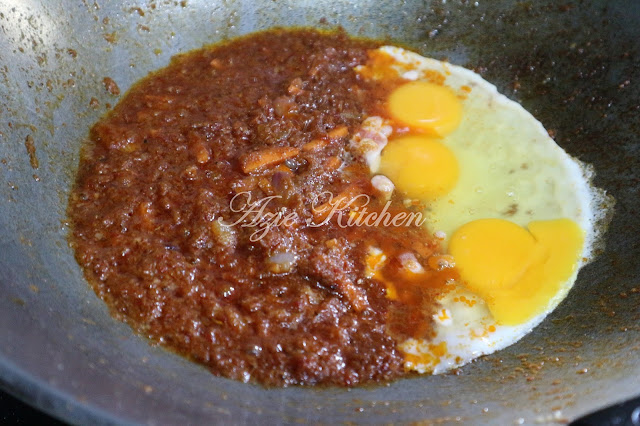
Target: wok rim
<point>51,400</point>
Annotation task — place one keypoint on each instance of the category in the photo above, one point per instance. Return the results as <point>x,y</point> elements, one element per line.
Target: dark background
<point>15,412</point>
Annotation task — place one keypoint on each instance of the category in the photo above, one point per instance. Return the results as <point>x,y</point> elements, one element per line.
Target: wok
<point>575,66</point>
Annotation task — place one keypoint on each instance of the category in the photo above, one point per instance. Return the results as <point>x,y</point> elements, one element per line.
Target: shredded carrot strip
<point>332,163</point>
<point>284,169</point>
<point>314,145</point>
<point>339,132</point>
<point>266,158</point>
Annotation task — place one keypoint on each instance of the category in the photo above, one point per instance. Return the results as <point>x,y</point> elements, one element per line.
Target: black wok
<point>574,65</point>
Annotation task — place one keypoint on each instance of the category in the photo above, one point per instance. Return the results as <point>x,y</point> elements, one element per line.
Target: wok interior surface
<point>574,66</point>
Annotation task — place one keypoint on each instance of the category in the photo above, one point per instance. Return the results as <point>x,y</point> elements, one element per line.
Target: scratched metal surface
<point>575,66</point>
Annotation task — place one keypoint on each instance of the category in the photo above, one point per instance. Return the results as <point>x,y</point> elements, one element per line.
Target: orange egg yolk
<point>518,272</point>
<point>419,166</point>
<point>425,106</point>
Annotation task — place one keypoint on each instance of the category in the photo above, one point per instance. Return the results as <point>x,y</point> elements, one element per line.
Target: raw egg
<point>405,160</point>
<point>426,106</point>
<point>515,213</point>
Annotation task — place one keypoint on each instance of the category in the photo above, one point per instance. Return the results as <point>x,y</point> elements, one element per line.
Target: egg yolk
<point>429,107</point>
<point>421,167</point>
<point>516,271</point>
